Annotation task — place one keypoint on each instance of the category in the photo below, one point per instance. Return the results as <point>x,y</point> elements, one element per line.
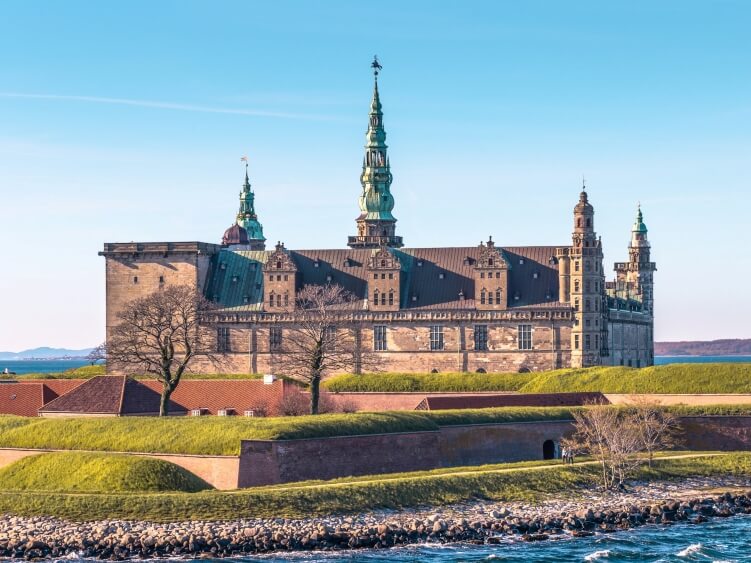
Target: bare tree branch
<point>161,334</point>
<point>322,337</point>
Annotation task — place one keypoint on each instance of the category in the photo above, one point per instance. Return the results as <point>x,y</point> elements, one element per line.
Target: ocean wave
<point>601,554</point>
<point>691,549</point>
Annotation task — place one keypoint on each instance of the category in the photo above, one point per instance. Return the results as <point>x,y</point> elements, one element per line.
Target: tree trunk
<point>315,383</point>
<point>164,400</point>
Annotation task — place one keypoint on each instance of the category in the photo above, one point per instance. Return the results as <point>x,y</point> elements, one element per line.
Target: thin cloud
<point>165,105</point>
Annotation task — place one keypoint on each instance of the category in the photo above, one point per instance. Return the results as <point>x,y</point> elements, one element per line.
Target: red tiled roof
<point>21,399</point>
<point>117,395</point>
<point>98,395</point>
<point>508,400</point>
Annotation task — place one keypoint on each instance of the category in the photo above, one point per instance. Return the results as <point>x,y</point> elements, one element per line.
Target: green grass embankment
<point>222,435</point>
<point>501,483</point>
<point>97,473</point>
<point>671,378</point>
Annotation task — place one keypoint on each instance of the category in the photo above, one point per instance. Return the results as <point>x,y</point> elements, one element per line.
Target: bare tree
<point>161,334</point>
<point>607,434</point>
<point>322,337</point>
<point>97,354</point>
<point>656,427</point>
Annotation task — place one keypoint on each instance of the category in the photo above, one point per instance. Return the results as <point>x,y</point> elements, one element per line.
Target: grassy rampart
<point>222,435</point>
<point>502,483</point>
<point>670,378</point>
<point>97,473</point>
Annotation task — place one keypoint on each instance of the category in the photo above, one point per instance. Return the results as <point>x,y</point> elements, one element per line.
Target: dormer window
<point>441,276</point>
<point>246,299</point>
<point>278,264</point>
<point>328,277</point>
<point>517,296</point>
<point>223,266</point>
<point>521,260</point>
<point>414,298</point>
<point>317,263</point>
<point>234,279</point>
<point>535,275</point>
<point>490,261</point>
<point>419,263</point>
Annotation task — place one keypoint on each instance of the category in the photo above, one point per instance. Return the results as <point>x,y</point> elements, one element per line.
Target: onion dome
<point>583,206</point>
<point>235,235</point>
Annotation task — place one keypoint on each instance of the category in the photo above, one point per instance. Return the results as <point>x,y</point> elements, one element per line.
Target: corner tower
<point>636,275</point>
<point>587,288</point>
<point>376,226</point>
<point>247,232</point>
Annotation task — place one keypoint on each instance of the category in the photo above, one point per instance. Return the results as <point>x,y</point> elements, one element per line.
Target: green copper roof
<point>376,202</point>
<point>639,226</point>
<point>236,281</point>
<point>246,216</point>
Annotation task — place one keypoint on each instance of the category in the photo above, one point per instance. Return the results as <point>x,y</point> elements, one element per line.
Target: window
<point>498,296</point>
<point>379,338</point>
<point>481,337</point>
<point>329,337</point>
<point>375,276</point>
<point>524,335</point>
<point>161,279</point>
<point>391,275</point>
<point>482,297</point>
<point>490,298</point>
<point>587,341</point>
<point>135,279</point>
<point>576,343</point>
<point>576,286</point>
<point>576,303</point>
<point>436,338</point>
<point>286,299</point>
<point>576,265</point>
<point>279,300</point>
<point>222,339</point>
<point>275,338</point>
<point>482,275</point>
<point>391,297</point>
<point>375,297</point>
<point>271,299</point>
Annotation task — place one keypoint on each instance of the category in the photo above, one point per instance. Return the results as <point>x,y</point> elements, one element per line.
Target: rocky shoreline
<point>693,501</point>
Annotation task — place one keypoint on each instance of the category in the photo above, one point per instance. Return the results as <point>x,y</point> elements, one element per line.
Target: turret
<point>247,232</point>
<point>635,277</point>
<point>376,226</point>
<point>586,283</point>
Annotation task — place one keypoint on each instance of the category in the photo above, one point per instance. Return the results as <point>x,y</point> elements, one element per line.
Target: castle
<point>484,308</point>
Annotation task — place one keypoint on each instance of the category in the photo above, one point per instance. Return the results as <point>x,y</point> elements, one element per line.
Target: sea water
<point>719,540</point>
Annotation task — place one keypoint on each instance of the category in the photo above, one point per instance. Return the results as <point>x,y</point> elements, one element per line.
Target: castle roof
<point>235,235</point>
<point>432,278</point>
<point>122,396</point>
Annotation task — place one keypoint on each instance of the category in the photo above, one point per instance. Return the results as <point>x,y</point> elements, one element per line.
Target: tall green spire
<point>376,225</point>
<point>246,216</point>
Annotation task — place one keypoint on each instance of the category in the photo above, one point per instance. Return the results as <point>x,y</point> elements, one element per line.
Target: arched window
<point>498,296</point>
<point>579,222</point>
<point>576,286</point>
<point>279,300</point>
<point>391,297</point>
<point>271,299</point>
<point>375,297</point>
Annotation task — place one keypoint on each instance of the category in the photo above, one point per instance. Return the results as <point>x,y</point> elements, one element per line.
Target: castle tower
<point>247,232</point>
<point>586,289</point>
<point>376,226</point>
<point>636,275</point>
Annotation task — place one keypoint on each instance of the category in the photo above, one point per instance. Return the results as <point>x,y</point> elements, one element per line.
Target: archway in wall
<point>548,449</point>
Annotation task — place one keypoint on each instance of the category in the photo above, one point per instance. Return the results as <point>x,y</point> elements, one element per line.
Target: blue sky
<point>125,121</point>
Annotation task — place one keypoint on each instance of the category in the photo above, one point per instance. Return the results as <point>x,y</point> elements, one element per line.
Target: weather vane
<point>245,160</point>
<point>376,66</point>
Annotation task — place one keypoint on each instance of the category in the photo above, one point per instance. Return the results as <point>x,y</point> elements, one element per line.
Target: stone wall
<point>271,462</point>
<point>264,462</point>
<point>630,339</point>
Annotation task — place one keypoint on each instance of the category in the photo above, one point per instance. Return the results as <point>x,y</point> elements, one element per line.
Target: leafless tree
<point>161,335</point>
<point>609,435</point>
<point>321,337</point>
<point>97,354</point>
<point>657,428</point>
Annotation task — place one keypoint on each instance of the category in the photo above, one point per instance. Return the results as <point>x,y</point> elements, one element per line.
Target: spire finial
<point>584,183</point>
<point>376,66</point>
